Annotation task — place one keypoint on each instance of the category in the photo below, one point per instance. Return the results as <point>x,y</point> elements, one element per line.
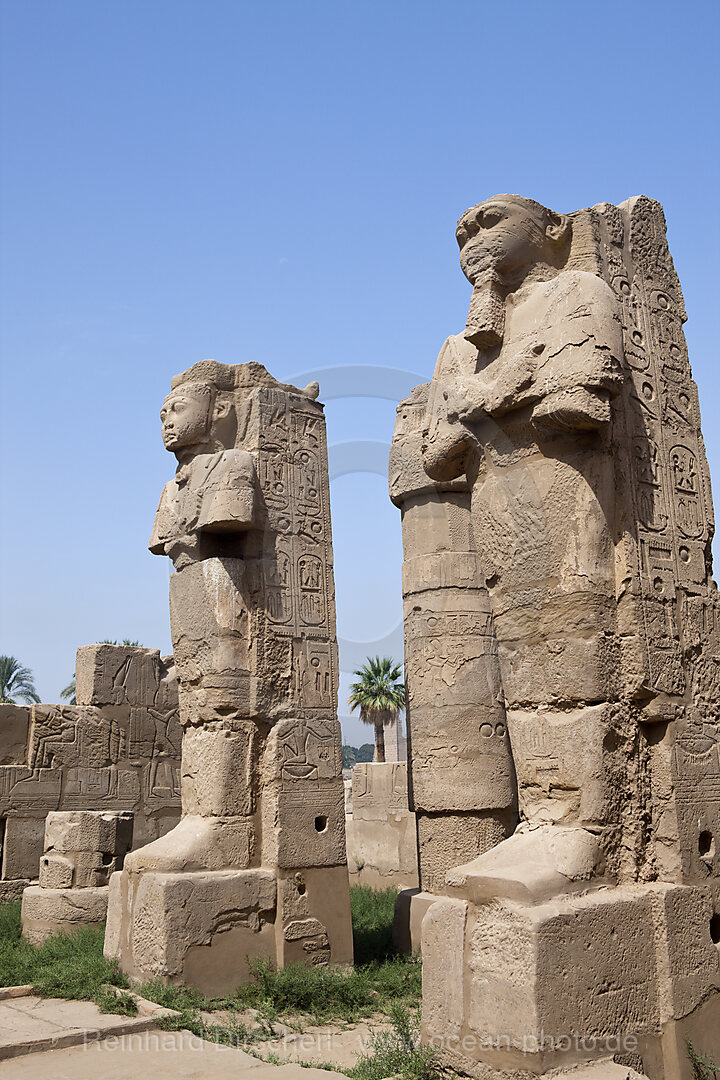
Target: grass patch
<point>119,1004</point>
<point>324,993</point>
<point>72,966</point>
<point>372,918</point>
<point>64,966</point>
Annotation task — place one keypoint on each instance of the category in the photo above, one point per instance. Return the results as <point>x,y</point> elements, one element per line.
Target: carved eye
<point>489,218</point>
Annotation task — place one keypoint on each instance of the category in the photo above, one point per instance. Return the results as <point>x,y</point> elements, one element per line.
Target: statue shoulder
<point>457,357</point>
<point>574,290</point>
<point>574,306</point>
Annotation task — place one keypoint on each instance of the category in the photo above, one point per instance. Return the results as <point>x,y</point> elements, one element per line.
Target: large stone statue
<point>257,864</point>
<point>566,422</point>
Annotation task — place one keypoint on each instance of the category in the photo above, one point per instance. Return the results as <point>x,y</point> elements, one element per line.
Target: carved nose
<point>469,227</point>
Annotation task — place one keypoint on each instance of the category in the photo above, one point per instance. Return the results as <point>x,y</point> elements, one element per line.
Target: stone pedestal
<point>82,851</point>
<point>630,973</point>
<point>49,911</point>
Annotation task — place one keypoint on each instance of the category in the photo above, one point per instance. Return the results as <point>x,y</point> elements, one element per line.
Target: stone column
<point>460,770</point>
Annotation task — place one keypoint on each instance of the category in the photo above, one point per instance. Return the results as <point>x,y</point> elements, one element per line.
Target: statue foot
<point>196,843</point>
<point>531,866</point>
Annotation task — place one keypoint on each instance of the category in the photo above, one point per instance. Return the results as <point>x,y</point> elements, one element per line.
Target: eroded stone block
<point>125,675</point>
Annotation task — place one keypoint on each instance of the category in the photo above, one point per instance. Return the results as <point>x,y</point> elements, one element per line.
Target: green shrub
<point>703,1067</point>
<point>398,1052</point>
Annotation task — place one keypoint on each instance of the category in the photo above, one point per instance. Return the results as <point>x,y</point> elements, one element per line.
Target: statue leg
<point>221,741</point>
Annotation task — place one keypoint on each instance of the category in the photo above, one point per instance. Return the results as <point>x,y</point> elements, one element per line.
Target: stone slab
<point>32,1024</point>
<point>410,908</point>
<point>165,1055</point>
<point>325,1043</point>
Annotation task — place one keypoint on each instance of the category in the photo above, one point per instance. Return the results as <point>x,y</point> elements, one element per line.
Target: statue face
<point>501,235</point>
<point>185,418</point>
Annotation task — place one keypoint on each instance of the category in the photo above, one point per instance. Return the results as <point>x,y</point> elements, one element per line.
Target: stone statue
<point>259,853</point>
<point>566,418</point>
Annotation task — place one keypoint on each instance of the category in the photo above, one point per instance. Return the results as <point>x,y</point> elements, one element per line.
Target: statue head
<point>191,415</point>
<point>209,406</point>
<point>508,235</point>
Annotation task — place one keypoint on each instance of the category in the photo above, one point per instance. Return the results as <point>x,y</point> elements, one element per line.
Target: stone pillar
<point>257,865</point>
<point>568,409</point>
<point>82,849</point>
<point>395,742</point>
<point>461,778</point>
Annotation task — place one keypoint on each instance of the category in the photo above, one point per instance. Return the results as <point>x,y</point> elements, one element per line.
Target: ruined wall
<point>117,749</point>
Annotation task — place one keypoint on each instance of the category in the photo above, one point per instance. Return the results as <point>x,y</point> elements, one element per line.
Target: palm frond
<point>16,681</point>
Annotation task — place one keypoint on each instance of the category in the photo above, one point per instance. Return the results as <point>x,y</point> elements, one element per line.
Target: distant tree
<point>16,681</point>
<point>69,693</point>
<point>355,755</point>
<point>379,695</point>
<point>349,756</point>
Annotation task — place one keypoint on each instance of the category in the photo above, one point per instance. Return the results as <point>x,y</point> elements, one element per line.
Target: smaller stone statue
<point>257,863</point>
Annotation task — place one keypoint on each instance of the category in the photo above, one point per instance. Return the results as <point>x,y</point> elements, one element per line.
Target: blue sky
<point>280,182</point>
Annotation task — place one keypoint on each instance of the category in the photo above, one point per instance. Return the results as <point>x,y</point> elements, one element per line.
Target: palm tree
<point>68,694</point>
<point>16,681</point>
<point>380,695</point>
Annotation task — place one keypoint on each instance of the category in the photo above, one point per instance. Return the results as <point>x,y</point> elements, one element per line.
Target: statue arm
<point>581,369</point>
<point>157,537</point>
<point>451,401</point>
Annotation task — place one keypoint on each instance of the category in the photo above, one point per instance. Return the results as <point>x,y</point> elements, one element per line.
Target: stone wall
<point>117,749</point>
<point>380,830</point>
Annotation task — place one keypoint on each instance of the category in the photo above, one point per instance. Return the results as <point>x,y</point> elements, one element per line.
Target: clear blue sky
<point>280,182</point>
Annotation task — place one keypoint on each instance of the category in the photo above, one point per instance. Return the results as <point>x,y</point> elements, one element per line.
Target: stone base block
<point>629,972</point>
<point>189,928</point>
<point>48,911</point>
<point>201,928</point>
<point>410,908</point>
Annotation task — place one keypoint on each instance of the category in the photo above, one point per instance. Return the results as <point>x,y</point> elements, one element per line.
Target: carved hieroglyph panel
<point>658,425</point>
<point>294,578</point>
